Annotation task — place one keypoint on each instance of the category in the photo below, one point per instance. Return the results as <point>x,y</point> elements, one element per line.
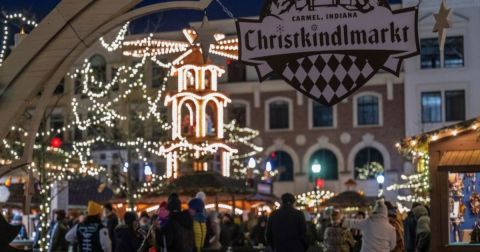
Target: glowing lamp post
<point>147,170</point>
<point>268,166</point>
<point>251,163</point>
<point>380,181</point>
<point>316,168</point>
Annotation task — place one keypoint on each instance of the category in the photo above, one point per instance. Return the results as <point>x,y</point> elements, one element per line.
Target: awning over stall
<point>460,158</point>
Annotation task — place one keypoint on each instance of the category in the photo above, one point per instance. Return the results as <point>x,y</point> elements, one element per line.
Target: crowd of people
<point>287,229</point>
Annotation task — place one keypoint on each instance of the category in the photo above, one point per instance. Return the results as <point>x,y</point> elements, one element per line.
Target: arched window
<point>368,108</point>
<point>283,163</point>
<point>328,165</point>
<point>368,163</point>
<point>279,113</point>
<point>99,67</point>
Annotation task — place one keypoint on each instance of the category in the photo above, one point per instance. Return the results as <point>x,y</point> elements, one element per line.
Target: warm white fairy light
<point>6,32</point>
<point>118,41</point>
<point>313,198</point>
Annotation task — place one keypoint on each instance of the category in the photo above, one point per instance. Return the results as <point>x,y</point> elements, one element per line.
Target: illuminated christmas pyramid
<point>197,108</point>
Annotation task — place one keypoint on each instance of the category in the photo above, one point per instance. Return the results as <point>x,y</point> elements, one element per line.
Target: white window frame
<point>442,88</point>
<point>380,109</point>
<point>247,108</point>
<point>310,118</point>
<point>290,113</point>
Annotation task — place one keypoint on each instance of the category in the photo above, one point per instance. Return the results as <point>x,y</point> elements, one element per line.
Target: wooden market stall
<point>223,193</point>
<point>454,165</point>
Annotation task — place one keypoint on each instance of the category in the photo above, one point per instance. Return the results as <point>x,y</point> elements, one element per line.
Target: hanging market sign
<point>327,49</point>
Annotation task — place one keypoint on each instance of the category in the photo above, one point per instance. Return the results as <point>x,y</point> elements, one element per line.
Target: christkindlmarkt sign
<point>327,49</point>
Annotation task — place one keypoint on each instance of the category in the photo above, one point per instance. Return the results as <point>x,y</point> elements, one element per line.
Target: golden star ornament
<point>443,22</point>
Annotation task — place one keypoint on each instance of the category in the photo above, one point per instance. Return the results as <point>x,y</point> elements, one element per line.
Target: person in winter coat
<point>215,227</point>
<point>395,219</point>
<point>177,233</point>
<point>311,234</point>
<point>196,208</point>
<point>17,221</point>
<point>286,227</point>
<point>59,230</point>
<point>258,232</point>
<point>423,229</point>
<point>110,221</point>
<point>230,232</point>
<point>357,234</point>
<point>91,235</point>
<point>410,230</point>
<point>126,235</point>
<point>336,237</point>
<point>378,234</point>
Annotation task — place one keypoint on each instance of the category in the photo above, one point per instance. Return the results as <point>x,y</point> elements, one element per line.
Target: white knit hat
<point>380,208</point>
<point>201,195</point>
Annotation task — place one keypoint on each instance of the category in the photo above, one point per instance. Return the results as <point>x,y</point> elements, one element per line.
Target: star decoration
<point>200,44</point>
<point>205,37</point>
<point>443,22</point>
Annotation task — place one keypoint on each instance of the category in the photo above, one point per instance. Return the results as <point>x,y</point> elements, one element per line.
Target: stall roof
<point>460,158</point>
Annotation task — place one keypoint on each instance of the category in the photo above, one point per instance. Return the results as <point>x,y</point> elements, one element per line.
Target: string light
<point>6,30</point>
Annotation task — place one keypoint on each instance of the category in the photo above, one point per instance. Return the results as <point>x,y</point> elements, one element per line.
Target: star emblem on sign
<point>442,23</point>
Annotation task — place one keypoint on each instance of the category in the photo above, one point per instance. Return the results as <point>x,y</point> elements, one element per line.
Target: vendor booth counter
<point>455,189</point>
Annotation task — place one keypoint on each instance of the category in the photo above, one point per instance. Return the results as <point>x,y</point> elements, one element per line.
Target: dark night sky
<point>170,20</point>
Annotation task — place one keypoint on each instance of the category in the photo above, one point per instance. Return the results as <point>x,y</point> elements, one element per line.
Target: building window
<point>368,110</point>
<point>98,65</point>
<point>453,53</point>
<point>452,102</point>
<point>454,105</point>
<point>279,115</point>
<point>103,156</point>
<point>56,123</point>
<point>238,112</point>
<point>282,162</point>
<point>328,165</point>
<point>158,75</point>
<point>322,116</point>
<point>431,107</point>
<point>60,88</point>
<point>368,163</point>
<point>237,71</point>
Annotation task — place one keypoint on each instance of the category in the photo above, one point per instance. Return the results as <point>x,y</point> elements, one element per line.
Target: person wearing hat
<point>91,235</point>
<point>378,234</point>
<point>423,229</point>
<point>286,227</point>
<point>196,208</point>
<point>336,237</point>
